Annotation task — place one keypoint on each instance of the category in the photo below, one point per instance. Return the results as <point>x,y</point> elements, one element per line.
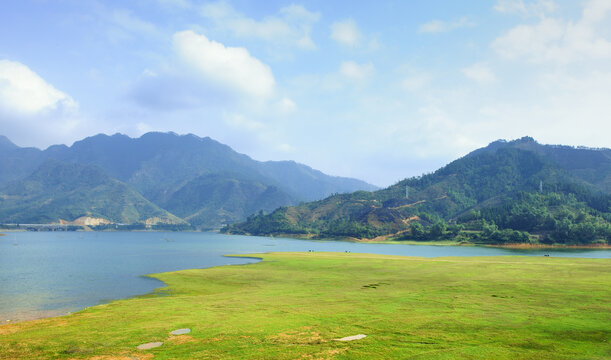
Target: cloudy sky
<point>378,90</point>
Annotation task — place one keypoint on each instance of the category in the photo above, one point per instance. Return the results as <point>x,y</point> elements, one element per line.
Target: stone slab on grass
<point>150,345</point>
<point>180,331</point>
<point>351,338</point>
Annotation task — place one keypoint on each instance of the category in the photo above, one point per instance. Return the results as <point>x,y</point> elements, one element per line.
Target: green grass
<point>291,306</point>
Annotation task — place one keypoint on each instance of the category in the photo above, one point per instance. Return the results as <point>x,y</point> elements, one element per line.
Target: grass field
<point>292,306</point>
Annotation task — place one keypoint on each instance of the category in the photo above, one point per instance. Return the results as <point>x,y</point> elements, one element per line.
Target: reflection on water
<point>55,273</point>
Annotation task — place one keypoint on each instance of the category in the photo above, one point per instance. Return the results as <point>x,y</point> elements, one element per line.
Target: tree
<point>417,230</point>
<point>489,229</point>
<point>437,230</point>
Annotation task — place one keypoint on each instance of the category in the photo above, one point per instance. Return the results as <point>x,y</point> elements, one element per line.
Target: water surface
<point>52,273</point>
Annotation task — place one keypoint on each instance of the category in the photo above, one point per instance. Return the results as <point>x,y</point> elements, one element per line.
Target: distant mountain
<point>219,199</point>
<point>158,164</point>
<point>495,188</point>
<point>163,167</point>
<point>6,144</point>
<point>60,192</point>
<point>17,162</point>
<point>593,166</point>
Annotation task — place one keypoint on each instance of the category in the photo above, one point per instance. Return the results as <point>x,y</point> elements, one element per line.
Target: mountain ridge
<point>158,165</point>
<point>59,192</point>
<point>502,178</point>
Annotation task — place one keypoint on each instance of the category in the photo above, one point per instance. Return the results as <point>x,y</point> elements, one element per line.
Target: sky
<point>377,90</point>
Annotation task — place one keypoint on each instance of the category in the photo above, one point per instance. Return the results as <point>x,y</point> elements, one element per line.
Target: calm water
<point>47,273</point>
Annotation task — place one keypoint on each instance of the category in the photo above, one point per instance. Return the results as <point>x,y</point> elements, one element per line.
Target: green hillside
<point>210,201</point>
<point>58,191</point>
<point>199,179</point>
<point>158,164</point>
<point>491,196</point>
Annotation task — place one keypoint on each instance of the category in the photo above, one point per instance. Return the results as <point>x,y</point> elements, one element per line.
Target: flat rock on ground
<point>150,345</point>
<point>180,331</point>
<point>353,337</point>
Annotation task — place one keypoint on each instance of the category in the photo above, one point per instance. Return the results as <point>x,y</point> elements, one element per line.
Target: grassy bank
<point>392,239</point>
<point>505,246</point>
<point>552,246</point>
<point>292,306</point>
<point>385,239</point>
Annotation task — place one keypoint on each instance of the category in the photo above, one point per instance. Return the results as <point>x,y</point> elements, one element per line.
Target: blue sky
<point>374,90</point>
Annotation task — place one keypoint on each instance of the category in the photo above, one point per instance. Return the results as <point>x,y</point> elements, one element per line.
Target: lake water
<point>52,273</point>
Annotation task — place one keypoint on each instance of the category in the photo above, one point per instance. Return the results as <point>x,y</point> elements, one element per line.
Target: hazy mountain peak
<point>163,167</point>
<point>525,139</point>
<point>6,144</point>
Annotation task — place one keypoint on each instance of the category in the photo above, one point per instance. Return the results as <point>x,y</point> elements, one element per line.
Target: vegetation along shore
<point>506,193</point>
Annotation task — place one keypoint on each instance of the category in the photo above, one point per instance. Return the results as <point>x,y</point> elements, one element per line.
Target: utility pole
<point>541,186</point>
<point>406,192</point>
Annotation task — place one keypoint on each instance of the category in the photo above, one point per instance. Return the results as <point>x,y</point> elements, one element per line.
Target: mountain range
<point>159,178</point>
<point>509,191</point>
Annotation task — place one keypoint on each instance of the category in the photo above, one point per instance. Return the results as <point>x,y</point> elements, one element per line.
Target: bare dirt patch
<point>297,338</point>
<point>181,339</point>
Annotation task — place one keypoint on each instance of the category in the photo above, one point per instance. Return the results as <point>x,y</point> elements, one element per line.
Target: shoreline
<point>199,299</point>
<point>29,315</point>
<point>385,240</point>
<point>32,315</point>
<point>18,316</point>
<point>550,246</point>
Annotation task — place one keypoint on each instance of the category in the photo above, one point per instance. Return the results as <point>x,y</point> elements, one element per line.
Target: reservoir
<point>54,273</point>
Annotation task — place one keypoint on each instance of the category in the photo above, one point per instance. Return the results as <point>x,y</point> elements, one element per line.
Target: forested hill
<point>199,179</point>
<point>517,191</point>
<point>157,164</point>
<point>74,193</point>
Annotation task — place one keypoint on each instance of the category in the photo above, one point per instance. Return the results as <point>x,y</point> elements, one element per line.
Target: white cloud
<point>230,67</point>
<point>149,73</point>
<point>565,109</point>
<point>558,40</point>
<point>287,105</point>
<point>23,92</point>
<point>35,113</point>
<point>324,87</point>
<point>143,128</point>
<point>284,147</point>
<point>538,8</point>
<point>511,7</point>
<point>415,82</point>
<point>241,122</point>
<point>346,32</point>
<point>292,25</point>
<point>596,11</point>
<point>480,72</point>
<point>438,26</point>
<point>354,71</point>
<point>126,26</point>
<point>128,21</point>
<point>298,13</point>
